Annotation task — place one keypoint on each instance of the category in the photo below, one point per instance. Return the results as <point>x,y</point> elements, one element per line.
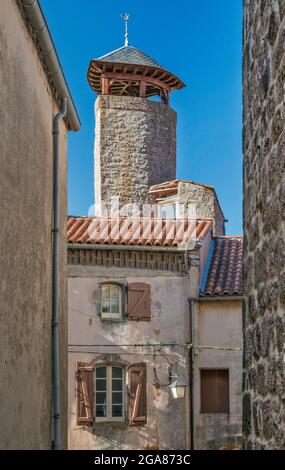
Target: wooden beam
<point>124,89</point>
<point>166,97</point>
<point>163,74</point>
<point>142,89</point>
<point>170,81</point>
<point>154,73</point>
<point>133,77</point>
<point>105,86</point>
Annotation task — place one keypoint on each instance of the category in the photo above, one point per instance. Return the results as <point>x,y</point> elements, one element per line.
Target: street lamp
<point>177,387</point>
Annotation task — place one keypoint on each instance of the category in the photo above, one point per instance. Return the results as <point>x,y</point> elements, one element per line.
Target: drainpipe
<point>191,373</point>
<point>55,280</point>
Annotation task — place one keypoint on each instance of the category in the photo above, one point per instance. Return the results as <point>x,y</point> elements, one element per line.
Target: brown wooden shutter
<point>138,396</point>
<point>84,393</point>
<point>139,301</point>
<point>215,391</point>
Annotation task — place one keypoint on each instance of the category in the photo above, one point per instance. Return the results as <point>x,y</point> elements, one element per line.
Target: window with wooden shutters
<point>84,393</point>
<point>215,391</point>
<point>109,393</point>
<point>111,301</point>
<point>138,395</point>
<point>139,301</point>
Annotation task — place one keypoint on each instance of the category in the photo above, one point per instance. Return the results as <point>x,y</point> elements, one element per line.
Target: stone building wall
<point>206,203</point>
<point>135,147</point>
<point>264,212</point>
<point>26,177</point>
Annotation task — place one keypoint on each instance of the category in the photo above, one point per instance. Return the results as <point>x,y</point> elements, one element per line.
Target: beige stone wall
<point>205,202</point>
<point>27,108</point>
<point>218,325</point>
<point>264,204</point>
<point>167,419</point>
<point>135,147</point>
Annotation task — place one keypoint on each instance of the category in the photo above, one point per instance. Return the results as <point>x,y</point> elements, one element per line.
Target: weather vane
<point>125,17</point>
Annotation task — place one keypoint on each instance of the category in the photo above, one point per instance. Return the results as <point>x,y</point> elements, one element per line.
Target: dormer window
<point>111,301</point>
<point>168,211</point>
<point>167,207</point>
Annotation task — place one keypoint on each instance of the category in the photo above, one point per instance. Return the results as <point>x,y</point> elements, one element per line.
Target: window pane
<point>117,372</point>
<point>101,385</point>
<point>117,411</point>
<point>100,411</point>
<point>114,292</point>
<point>105,292</point>
<point>101,372</point>
<point>117,397</point>
<point>116,385</point>
<point>106,306</point>
<point>168,211</point>
<point>115,306</point>
<point>101,398</point>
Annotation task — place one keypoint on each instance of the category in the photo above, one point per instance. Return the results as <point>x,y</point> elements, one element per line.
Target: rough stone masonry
<point>264,223</point>
<point>135,147</point>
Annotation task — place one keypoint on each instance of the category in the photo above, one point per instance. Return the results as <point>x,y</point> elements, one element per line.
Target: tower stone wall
<point>264,224</point>
<point>135,147</point>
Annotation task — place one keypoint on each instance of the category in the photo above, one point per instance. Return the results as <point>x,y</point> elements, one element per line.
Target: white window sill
<point>110,319</point>
<point>110,420</point>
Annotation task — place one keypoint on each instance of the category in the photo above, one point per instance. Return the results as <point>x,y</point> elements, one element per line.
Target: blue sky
<point>200,41</point>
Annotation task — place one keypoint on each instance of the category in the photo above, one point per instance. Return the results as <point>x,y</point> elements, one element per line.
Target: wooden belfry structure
<point>129,72</point>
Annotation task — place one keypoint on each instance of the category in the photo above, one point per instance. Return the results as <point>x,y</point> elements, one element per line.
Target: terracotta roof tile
<point>173,186</point>
<point>128,231</point>
<point>225,271</point>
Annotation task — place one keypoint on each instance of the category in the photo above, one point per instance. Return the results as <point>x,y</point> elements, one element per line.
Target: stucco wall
<point>218,325</point>
<point>135,147</point>
<point>167,426</point>
<point>27,108</point>
<point>264,204</point>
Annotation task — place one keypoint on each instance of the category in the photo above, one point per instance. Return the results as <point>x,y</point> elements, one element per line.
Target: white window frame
<point>109,315</point>
<point>169,201</point>
<point>109,417</point>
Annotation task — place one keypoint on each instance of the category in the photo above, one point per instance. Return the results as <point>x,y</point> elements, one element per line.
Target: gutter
<point>93,246</point>
<point>207,265</point>
<point>38,29</point>
<point>219,298</point>
<point>55,281</point>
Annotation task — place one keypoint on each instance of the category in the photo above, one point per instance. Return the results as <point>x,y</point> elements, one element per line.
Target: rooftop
<point>172,186</point>
<point>130,72</point>
<point>137,232</point>
<point>224,274</point>
<point>129,55</point>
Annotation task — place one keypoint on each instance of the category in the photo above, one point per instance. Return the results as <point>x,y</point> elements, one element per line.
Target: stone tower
<point>135,143</point>
<point>264,213</point>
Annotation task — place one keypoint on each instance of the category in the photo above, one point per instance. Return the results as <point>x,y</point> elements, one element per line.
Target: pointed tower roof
<point>130,72</point>
<point>130,55</point>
